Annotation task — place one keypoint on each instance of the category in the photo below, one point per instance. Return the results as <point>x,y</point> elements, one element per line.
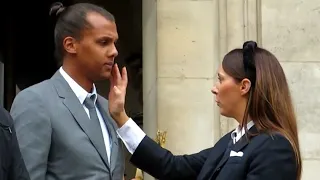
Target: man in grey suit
<point>63,126</point>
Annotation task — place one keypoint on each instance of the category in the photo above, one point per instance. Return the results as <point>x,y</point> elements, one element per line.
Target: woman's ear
<point>245,86</point>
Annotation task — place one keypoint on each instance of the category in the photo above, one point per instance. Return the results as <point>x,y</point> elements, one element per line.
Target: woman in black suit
<point>252,89</point>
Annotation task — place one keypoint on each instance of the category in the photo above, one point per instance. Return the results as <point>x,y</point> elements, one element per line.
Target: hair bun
<point>248,55</point>
<point>250,45</point>
<point>56,8</point>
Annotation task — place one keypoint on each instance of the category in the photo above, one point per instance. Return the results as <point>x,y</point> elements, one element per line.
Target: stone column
<point>149,58</point>
<point>180,59</point>
<point>188,59</point>
<point>290,29</point>
<point>239,22</point>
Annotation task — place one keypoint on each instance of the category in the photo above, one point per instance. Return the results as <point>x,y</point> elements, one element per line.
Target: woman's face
<point>229,94</point>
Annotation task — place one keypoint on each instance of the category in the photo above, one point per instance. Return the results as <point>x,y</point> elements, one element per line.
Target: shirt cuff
<point>131,135</point>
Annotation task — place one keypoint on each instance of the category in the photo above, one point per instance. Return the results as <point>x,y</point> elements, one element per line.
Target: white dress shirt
<point>238,133</point>
<point>82,94</point>
<point>132,135</point>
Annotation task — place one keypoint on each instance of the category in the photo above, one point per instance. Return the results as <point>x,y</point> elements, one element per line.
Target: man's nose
<point>114,51</point>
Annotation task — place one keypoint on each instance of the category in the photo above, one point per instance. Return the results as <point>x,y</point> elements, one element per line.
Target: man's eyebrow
<point>108,38</point>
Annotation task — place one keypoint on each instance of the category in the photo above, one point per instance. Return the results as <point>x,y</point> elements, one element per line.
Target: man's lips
<point>109,64</point>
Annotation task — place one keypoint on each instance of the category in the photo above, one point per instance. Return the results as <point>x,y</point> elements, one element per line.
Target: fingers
<point>117,75</point>
<point>124,76</point>
<point>116,78</point>
<point>113,77</point>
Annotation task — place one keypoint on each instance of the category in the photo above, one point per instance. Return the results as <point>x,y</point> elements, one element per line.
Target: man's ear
<point>70,45</point>
<point>245,86</point>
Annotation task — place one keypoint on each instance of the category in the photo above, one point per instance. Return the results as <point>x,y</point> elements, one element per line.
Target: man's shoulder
<point>33,95</point>
<point>40,89</point>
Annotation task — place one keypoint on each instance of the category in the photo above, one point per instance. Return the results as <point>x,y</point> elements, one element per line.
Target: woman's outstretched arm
<point>157,161</point>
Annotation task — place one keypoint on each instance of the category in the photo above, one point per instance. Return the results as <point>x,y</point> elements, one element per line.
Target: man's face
<point>96,50</point>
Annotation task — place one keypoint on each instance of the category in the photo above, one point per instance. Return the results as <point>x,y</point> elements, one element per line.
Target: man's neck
<point>84,82</point>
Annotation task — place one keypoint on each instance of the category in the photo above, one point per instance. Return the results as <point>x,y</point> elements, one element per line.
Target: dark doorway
<point>27,43</point>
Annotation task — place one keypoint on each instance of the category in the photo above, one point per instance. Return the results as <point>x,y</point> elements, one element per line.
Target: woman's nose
<point>214,90</point>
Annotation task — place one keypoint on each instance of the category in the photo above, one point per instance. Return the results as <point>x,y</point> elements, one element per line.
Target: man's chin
<point>106,75</point>
<point>103,77</point>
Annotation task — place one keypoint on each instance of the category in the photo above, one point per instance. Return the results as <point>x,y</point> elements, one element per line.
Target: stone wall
<point>290,29</point>
<point>191,39</point>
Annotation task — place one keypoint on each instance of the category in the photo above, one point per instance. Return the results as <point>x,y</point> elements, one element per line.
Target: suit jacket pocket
<point>231,171</point>
<point>234,160</point>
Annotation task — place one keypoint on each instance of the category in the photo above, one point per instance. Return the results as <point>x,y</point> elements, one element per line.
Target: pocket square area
<point>237,154</point>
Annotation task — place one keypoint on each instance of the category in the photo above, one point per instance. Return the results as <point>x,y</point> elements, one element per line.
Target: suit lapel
<point>103,107</point>
<point>236,147</point>
<point>215,157</point>
<point>225,156</point>
<point>242,143</point>
<point>76,109</point>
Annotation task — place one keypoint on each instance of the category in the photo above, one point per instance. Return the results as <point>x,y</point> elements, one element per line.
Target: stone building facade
<point>184,42</point>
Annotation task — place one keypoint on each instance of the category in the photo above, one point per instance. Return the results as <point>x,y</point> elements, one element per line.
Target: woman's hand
<point>117,95</point>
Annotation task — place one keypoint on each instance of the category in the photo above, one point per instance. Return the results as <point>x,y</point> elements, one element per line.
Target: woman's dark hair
<point>269,100</point>
<point>71,21</point>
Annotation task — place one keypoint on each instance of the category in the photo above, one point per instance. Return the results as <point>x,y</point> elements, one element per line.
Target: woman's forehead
<point>221,71</point>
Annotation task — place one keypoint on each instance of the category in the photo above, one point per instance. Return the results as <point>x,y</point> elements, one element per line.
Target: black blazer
<point>265,157</point>
<point>12,165</point>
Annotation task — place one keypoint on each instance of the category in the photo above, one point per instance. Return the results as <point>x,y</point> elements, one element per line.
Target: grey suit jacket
<point>55,137</point>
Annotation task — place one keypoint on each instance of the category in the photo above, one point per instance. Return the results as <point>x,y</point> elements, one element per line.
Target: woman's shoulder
<point>272,142</point>
<point>271,138</point>
<point>271,157</point>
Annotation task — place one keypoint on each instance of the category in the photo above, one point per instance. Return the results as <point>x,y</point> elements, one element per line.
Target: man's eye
<point>103,42</point>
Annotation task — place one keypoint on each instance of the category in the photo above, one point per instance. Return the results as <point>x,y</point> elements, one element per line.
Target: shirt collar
<point>81,93</point>
<point>238,133</point>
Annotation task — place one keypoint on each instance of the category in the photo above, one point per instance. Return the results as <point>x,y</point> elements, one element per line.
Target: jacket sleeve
<point>274,160</point>
<point>33,129</point>
<point>16,167</point>
<point>162,164</point>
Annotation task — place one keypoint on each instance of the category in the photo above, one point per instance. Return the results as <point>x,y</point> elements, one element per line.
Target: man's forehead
<point>97,20</point>
<point>101,26</point>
